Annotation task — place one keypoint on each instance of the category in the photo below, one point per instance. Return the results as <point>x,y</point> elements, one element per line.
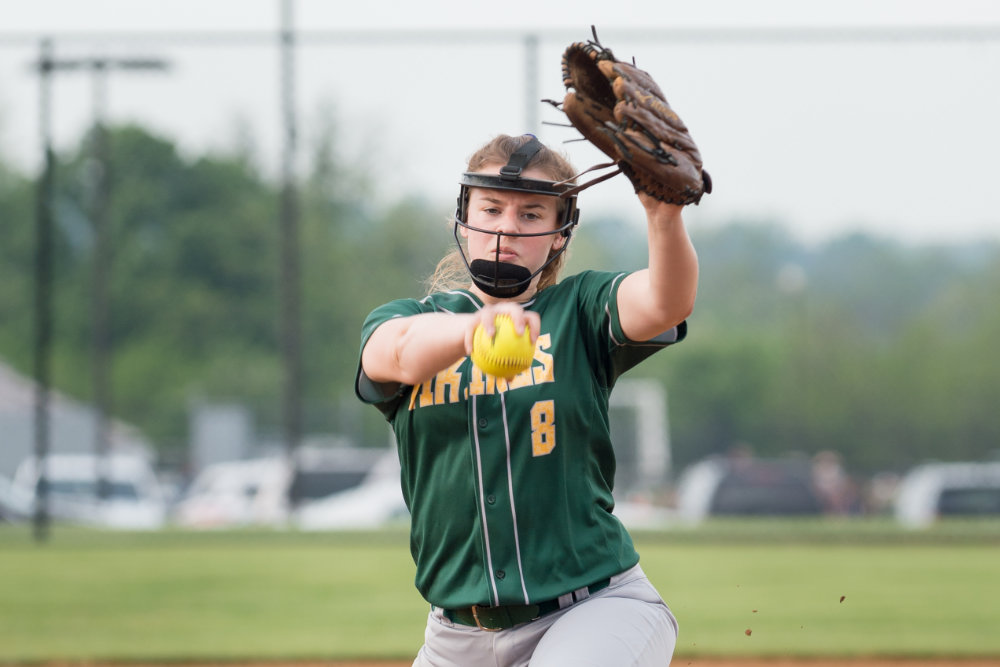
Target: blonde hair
<point>451,272</point>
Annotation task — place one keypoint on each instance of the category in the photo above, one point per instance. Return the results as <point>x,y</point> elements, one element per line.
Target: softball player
<point>509,483</point>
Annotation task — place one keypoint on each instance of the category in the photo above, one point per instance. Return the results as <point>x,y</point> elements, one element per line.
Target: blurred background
<point>200,202</point>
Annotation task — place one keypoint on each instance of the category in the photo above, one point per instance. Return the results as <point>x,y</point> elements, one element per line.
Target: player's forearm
<point>673,266</point>
<point>661,296</point>
<point>411,350</point>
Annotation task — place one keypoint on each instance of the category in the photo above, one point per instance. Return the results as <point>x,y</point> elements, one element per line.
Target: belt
<point>494,619</point>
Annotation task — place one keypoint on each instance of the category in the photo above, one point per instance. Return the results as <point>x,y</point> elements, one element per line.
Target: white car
<point>269,491</point>
<point>236,493</point>
<point>133,498</point>
<point>15,505</point>
<point>375,502</point>
<point>948,489</point>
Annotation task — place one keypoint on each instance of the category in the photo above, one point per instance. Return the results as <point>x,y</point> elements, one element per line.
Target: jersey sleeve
<point>618,353</point>
<point>384,395</point>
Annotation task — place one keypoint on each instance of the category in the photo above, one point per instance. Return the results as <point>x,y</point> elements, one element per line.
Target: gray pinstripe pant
<point>626,624</point>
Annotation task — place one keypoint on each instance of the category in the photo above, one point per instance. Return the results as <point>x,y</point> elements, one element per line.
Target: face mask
<point>504,280</point>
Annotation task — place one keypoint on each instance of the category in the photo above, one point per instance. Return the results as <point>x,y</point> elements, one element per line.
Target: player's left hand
<point>658,210</point>
<point>621,110</point>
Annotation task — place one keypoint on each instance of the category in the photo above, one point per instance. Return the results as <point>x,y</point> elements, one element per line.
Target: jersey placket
<point>491,440</point>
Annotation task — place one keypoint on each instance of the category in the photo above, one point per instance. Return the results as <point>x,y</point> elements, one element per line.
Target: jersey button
<point>491,499</point>
<point>501,574</point>
<point>483,422</point>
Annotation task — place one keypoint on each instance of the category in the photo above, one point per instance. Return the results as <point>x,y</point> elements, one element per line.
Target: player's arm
<point>413,349</point>
<point>410,350</point>
<point>661,296</point>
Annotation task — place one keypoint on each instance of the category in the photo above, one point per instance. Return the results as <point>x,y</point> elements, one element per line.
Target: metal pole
<point>531,83</point>
<point>100,305</point>
<point>43,293</point>
<point>289,231</point>
<point>101,338</point>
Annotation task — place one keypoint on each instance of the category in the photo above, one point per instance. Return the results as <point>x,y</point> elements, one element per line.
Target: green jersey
<point>509,483</point>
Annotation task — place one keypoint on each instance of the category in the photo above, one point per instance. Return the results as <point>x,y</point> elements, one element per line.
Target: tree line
<point>876,349</point>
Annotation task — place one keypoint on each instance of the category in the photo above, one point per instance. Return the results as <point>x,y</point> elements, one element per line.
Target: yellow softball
<point>505,353</point>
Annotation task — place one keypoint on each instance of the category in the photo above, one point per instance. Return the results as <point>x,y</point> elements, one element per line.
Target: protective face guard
<point>503,279</point>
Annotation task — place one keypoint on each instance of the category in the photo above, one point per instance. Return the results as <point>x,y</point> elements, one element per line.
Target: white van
<point>133,499</point>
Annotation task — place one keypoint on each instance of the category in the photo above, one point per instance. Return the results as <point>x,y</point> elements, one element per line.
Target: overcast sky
<point>880,115</point>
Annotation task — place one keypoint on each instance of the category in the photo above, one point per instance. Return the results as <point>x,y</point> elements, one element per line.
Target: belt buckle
<point>479,624</point>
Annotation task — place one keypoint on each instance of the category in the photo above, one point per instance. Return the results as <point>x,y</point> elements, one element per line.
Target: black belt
<point>494,619</point>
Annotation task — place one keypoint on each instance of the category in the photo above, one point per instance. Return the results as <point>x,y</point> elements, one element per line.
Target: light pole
<point>291,328</point>
<point>100,212</point>
<point>43,293</point>
<point>531,83</point>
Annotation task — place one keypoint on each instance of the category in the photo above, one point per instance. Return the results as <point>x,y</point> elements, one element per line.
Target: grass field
<point>801,589</point>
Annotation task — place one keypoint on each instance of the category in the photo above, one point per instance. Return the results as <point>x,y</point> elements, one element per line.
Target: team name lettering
<point>446,386</point>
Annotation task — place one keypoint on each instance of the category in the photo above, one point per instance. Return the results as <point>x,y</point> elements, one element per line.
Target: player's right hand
<point>487,315</point>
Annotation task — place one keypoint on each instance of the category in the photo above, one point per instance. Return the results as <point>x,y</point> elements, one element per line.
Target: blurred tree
<point>881,351</point>
<point>17,269</point>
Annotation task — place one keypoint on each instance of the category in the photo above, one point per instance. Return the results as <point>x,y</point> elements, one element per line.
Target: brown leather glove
<point>620,109</point>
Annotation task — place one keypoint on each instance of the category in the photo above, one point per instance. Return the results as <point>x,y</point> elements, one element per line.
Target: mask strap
<point>520,159</point>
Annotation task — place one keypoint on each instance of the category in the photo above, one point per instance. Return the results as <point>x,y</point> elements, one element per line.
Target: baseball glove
<point>620,109</point>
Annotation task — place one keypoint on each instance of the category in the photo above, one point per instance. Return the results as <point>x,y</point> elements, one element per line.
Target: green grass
<point>225,596</point>
<point>913,600</point>
<point>87,595</point>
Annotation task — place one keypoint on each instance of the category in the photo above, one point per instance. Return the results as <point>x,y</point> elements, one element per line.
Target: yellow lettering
<point>426,393</point>
<point>446,386</point>
<point>447,382</point>
<point>481,383</point>
<point>522,379</point>
<point>543,373</point>
<point>477,385</point>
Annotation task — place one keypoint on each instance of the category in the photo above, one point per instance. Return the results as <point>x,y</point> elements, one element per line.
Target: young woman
<point>509,482</point>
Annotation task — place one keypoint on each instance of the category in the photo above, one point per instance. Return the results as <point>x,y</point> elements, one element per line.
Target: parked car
<point>268,490</point>
<point>14,505</point>
<point>132,498</point>
<point>934,490</point>
<point>747,486</point>
<point>376,501</point>
<point>236,493</point>
<point>320,472</point>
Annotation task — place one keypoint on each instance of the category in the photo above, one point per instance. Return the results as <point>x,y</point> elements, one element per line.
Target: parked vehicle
<point>747,486</point>
<point>268,490</point>
<point>376,501</point>
<point>131,500</point>
<point>320,472</point>
<point>14,506</point>
<point>935,490</point>
<point>236,493</point>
